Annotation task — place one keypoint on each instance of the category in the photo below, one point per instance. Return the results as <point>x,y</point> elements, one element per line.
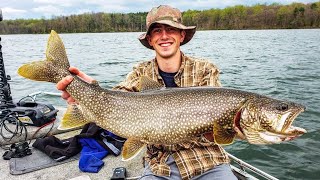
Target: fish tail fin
<point>73,118</point>
<point>53,68</point>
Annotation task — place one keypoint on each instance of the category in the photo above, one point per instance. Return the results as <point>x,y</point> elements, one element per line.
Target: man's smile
<point>165,44</point>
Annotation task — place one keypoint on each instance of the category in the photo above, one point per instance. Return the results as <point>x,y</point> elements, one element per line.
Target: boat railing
<point>243,166</point>
<point>35,94</point>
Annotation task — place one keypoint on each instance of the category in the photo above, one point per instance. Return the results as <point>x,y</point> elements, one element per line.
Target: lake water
<point>284,64</point>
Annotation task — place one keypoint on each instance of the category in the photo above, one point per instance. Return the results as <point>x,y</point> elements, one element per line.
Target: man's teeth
<point>165,44</point>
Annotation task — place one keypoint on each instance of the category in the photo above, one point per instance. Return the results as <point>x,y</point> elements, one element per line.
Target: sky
<point>36,9</point>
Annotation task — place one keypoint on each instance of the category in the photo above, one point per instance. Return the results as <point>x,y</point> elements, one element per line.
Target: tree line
<point>260,16</point>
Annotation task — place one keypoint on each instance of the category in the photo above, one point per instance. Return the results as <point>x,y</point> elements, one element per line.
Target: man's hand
<point>61,85</point>
<point>240,135</point>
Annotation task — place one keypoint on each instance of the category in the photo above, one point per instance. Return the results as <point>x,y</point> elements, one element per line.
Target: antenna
<point>1,18</point>
<point>5,92</point>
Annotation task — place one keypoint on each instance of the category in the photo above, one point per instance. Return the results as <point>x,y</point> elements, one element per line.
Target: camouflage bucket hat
<point>165,14</point>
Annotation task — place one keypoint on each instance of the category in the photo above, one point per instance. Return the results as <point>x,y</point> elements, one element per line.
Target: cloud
<point>12,13</point>
<point>12,10</point>
<point>62,3</point>
<point>48,10</point>
<point>81,11</point>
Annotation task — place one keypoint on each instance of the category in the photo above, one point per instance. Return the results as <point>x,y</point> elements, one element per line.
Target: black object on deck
<point>119,173</point>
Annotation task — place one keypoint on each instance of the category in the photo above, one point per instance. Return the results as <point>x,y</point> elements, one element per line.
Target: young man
<point>200,158</point>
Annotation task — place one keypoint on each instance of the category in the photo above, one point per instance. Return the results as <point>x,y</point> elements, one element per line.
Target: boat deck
<point>66,170</point>
<point>71,170</point>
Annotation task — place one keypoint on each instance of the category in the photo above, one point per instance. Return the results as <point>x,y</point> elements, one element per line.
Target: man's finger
<point>240,135</point>
<point>74,70</point>
<point>65,95</point>
<point>61,85</point>
<point>70,100</point>
<point>85,77</point>
<point>81,74</point>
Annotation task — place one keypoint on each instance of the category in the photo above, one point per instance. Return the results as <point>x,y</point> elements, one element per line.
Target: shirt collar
<point>156,66</point>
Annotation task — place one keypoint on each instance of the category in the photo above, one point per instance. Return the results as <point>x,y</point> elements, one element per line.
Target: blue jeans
<point>220,172</point>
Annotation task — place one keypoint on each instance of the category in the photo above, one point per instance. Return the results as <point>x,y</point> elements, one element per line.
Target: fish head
<point>269,121</point>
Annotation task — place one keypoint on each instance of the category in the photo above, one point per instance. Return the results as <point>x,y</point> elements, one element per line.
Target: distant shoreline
<point>143,32</point>
<point>261,16</point>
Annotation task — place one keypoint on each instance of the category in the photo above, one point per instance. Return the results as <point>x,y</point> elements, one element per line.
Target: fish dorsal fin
<point>147,83</point>
<point>73,118</point>
<point>131,149</point>
<point>56,52</point>
<point>223,134</point>
<point>95,83</point>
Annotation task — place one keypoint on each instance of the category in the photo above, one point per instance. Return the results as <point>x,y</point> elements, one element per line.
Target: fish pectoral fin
<point>223,135</point>
<point>73,118</point>
<point>131,149</point>
<point>146,84</point>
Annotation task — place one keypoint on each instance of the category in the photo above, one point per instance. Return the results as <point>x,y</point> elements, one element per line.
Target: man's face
<point>165,40</point>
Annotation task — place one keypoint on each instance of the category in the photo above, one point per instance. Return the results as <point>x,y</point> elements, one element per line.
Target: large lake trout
<point>167,116</point>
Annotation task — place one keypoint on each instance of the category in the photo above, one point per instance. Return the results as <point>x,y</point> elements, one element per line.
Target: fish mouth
<point>288,129</point>
<point>272,137</point>
<point>285,131</point>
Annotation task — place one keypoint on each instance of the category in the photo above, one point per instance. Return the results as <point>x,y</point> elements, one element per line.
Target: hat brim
<point>190,31</point>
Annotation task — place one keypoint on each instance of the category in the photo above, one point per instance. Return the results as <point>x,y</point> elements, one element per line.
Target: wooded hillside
<point>274,16</point>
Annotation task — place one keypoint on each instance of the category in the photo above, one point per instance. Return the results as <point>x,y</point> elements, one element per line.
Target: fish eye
<point>282,107</point>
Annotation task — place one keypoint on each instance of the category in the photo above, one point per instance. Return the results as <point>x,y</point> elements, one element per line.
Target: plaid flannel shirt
<point>199,154</point>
